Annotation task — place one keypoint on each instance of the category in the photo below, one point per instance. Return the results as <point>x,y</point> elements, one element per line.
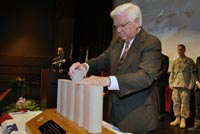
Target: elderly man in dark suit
<point>134,59</point>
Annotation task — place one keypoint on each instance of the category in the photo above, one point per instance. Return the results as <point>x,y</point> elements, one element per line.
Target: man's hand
<point>76,66</point>
<point>60,71</point>
<point>96,80</point>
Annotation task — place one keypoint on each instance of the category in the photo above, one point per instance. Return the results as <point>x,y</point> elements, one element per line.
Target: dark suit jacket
<point>197,91</point>
<point>134,107</point>
<point>198,68</point>
<point>162,76</point>
<point>64,64</point>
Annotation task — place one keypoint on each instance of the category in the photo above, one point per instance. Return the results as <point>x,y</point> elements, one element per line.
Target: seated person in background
<point>60,64</point>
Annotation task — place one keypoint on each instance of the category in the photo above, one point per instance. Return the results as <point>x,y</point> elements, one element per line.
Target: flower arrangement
<point>20,89</point>
<point>22,105</point>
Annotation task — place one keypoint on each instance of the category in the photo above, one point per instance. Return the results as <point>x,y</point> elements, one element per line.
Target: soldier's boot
<point>176,121</point>
<point>183,124</point>
<point>196,126</point>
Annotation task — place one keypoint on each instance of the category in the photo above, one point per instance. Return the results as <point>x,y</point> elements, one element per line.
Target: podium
<point>49,81</point>
<point>34,125</point>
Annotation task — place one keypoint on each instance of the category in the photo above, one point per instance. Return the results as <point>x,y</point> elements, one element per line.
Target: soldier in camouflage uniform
<point>181,81</point>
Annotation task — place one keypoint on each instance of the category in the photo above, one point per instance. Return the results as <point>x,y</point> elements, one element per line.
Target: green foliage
<point>30,105</point>
<point>11,108</point>
<point>20,88</point>
<point>19,85</point>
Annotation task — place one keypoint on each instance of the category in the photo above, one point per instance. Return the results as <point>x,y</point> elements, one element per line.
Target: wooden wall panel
<point>27,67</point>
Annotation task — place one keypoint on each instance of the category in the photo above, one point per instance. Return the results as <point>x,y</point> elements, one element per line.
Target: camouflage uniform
<point>182,78</point>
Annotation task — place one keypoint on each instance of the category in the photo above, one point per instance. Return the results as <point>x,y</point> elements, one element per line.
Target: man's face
<point>60,52</point>
<point>125,29</point>
<point>181,51</point>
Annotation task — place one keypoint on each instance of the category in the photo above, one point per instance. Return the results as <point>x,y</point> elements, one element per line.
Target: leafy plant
<point>22,105</point>
<point>20,88</point>
<point>19,85</point>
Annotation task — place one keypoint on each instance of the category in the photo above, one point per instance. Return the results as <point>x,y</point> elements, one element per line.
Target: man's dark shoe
<point>195,128</point>
<point>162,116</point>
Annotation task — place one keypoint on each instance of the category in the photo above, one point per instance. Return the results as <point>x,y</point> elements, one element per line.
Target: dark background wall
<point>26,38</point>
<point>93,28</point>
<point>30,32</point>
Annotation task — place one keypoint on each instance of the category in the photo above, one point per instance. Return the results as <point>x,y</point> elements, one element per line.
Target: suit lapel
<point>129,58</point>
<point>134,49</point>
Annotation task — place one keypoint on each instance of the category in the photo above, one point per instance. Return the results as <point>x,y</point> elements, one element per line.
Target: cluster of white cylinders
<point>82,104</point>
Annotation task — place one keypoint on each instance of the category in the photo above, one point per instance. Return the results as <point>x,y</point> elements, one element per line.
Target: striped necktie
<point>123,55</point>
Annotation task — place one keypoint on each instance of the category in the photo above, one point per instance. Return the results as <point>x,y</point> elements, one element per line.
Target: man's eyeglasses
<point>121,26</point>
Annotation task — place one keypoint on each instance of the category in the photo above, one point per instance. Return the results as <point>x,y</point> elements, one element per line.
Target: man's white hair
<point>132,9</point>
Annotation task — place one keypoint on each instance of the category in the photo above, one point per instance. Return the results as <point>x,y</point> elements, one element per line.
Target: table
<point>51,114</point>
